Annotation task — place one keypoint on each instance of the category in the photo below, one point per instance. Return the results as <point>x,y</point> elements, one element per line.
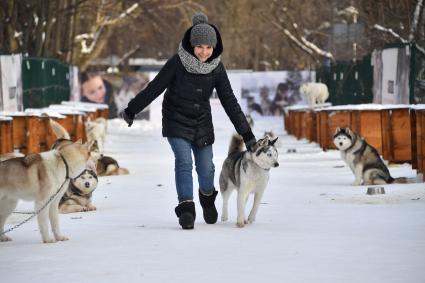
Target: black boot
<point>185,211</point>
<point>208,206</point>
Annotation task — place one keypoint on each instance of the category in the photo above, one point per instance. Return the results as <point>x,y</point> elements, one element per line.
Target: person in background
<point>189,78</point>
<point>95,89</point>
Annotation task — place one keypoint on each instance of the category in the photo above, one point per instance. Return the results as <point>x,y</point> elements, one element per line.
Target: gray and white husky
<point>78,196</point>
<point>247,172</point>
<point>363,159</point>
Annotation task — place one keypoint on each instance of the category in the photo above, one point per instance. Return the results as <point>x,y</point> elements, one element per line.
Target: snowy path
<point>312,226</point>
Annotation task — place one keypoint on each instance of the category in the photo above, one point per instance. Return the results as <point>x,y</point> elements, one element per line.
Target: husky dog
<point>96,130</point>
<point>316,93</point>
<point>38,177</point>
<point>108,166</point>
<point>78,196</point>
<point>363,159</point>
<point>247,172</point>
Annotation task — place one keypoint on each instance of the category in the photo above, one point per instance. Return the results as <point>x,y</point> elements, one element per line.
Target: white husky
<point>316,93</point>
<point>247,172</point>
<point>96,130</point>
<point>38,177</point>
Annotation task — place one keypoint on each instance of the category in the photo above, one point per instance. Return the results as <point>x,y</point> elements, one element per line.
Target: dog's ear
<point>348,131</point>
<point>89,145</point>
<point>337,130</point>
<point>260,143</point>
<point>95,145</point>
<point>272,142</point>
<point>265,140</point>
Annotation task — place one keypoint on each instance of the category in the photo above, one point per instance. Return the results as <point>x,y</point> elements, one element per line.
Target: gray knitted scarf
<point>193,65</point>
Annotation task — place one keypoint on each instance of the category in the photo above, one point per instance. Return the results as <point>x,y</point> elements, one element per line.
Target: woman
<point>189,78</point>
<point>95,89</point>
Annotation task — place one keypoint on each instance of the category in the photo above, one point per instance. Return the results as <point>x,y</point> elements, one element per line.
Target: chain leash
<point>34,214</point>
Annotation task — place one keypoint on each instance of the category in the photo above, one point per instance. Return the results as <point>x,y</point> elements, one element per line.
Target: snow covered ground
<point>312,226</point>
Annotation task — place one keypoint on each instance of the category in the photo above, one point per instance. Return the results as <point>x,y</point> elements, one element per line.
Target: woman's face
<point>94,89</point>
<point>203,52</point>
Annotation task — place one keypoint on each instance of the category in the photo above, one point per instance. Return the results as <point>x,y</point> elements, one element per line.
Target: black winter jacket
<point>186,110</point>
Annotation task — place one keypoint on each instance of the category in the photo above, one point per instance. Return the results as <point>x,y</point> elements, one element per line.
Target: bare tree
<point>259,35</point>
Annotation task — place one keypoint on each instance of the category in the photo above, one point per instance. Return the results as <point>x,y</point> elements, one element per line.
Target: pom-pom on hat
<point>202,32</point>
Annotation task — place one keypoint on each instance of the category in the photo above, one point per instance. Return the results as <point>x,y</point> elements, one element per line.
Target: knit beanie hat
<point>202,32</point>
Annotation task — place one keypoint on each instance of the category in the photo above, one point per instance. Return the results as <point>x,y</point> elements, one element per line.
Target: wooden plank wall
<point>395,133</point>
<point>27,133</point>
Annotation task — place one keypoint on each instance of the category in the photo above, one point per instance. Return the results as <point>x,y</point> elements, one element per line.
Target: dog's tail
<point>236,144</point>
<point>400,180</point>
<point>114,170</point>
<point>123,171</point>
<point>405,180</point>
<point>60,132</point>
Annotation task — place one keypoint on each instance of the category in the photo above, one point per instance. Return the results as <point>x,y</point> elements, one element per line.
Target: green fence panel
<point>45,81</point>
<point>349,82</point>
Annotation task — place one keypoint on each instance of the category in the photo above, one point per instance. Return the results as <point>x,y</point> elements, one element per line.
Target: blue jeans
<point>205,169</point>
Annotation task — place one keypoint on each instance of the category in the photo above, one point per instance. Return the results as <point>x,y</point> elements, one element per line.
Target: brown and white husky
<point>38,177</point>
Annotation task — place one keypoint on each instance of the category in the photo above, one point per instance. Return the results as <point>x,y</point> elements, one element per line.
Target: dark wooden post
<point>32,124</point>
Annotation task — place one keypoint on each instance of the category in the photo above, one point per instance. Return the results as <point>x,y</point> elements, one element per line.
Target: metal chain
<point>34,213</point>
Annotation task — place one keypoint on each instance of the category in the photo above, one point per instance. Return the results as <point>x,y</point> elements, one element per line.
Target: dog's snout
<point>87,184</point>
<point>276,164</point>
<point>340,143</point>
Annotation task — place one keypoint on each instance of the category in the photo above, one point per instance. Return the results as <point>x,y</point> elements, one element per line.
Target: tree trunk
<point>39,38</point>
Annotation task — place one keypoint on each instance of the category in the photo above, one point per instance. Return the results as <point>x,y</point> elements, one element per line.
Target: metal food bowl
<point>375,191</point>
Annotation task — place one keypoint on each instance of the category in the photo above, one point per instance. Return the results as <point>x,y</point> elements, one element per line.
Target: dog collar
<point>66,166</point>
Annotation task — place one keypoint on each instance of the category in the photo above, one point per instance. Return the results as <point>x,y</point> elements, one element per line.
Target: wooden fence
<point>30,132</point>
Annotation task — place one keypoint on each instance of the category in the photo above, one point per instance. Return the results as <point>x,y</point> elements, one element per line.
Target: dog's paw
<point>49,240</point>
<point>5,238</point>
<point>240,224</point>
<point>224,218</point>
<point>356,184</point>
<point>91,208</point>
<point>251,220</point>
<point>61,238</point>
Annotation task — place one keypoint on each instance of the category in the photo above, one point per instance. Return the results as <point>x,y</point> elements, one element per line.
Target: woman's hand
<point>128,116</point>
